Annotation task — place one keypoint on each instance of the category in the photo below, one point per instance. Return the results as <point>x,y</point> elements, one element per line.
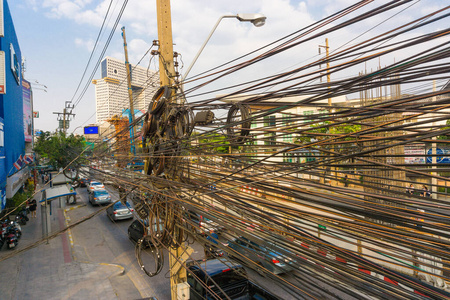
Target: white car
<point>95,185</point>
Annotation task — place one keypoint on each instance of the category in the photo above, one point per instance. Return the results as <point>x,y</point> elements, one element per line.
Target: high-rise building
<point>111,91</point>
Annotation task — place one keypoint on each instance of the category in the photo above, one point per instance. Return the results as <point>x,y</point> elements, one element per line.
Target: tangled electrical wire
<point>289,162</point>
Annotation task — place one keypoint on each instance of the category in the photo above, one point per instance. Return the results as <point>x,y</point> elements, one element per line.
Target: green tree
<point>217,142</point>
<point>326,130</point>
<point>446,136</point>
<point>58,149</point>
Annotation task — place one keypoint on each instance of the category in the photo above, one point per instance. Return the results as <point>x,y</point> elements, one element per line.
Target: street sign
<point>444,159</point>
<point>321,227</point>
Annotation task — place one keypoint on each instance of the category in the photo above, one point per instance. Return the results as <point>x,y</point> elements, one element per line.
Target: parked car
<point>200,224</point>
<point>119,211</point>
<point>212,278</point>
<point>137,229</point>
<point>95,185</point>
<point>84,182</point>
<point>266,257</point>
<point>99,197</point>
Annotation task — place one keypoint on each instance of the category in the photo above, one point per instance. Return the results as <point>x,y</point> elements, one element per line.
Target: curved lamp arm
<point>256,19</point>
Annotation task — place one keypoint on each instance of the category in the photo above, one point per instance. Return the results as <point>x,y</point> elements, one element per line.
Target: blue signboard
<point>91,130</point>
<point>444,159</point>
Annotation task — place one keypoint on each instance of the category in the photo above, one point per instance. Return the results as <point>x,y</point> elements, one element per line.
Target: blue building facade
<point>13,172</point>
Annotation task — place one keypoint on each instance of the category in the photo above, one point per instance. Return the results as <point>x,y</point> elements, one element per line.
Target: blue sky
<point>56,37</point>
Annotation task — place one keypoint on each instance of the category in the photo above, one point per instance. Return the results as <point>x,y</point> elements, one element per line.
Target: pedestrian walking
<point>346,180</point>
<point>410,190</point>
<point>27,206</point>
<point>33,208</point>
<point>425,191</point>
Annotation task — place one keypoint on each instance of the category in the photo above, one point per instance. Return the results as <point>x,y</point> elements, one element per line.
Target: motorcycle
<point>3,227</point>
<point>11,236</point>
<point>16,227</point>
<point>21,217</point>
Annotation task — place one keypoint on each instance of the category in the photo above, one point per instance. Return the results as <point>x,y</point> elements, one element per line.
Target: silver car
<point>118,211</point>
<point>99,197</point>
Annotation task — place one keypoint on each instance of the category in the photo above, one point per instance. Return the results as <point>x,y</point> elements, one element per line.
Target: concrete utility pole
<point>177,255</point>
<point>166,66</point>
<point>65,117</point>
<point>433,187</point>
<point>130,93</point>
<point>327,55</point>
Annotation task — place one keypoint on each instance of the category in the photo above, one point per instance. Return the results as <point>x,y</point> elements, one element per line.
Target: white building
<point>111,91</point>
<point>275,127</point>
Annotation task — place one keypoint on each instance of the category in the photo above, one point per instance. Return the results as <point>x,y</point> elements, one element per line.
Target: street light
<point>41,87</point>
<point>256,19</point>
<point>76,128</point>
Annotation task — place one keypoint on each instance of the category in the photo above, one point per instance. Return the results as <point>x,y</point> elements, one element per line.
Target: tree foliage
<point>58,149</point>
<point>326,130</point>
<point>446,136</point>
<point>217,142</point>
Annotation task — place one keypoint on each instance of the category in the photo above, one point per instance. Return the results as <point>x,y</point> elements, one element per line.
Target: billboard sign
<point>27,111</point>
<point>91,130</point>
<point>418,150</point>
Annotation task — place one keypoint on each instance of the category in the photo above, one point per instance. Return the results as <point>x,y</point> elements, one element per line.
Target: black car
<point>84,182</point>
<point>210,279</point>
<point>81,182</point>
<point>136,230</point>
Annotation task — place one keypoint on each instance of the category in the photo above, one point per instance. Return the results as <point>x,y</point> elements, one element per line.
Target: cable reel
<point>237,127</point>
<point>159,100</point>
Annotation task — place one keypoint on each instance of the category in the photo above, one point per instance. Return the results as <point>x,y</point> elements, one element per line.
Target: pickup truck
<point>211,278</point>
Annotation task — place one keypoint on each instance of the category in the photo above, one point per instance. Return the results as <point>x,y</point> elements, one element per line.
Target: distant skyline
<point>56,38</point>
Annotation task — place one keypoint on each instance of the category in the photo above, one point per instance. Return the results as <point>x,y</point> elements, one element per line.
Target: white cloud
<point>86,44</point>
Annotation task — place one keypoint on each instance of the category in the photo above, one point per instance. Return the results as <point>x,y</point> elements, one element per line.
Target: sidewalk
<point>49,271</point>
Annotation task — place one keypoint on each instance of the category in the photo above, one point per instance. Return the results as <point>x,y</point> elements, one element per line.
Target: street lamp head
<point>256,19</point>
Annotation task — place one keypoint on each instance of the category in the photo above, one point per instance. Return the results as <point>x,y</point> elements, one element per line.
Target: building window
<point>287,138</point>
<point>287,157</point>
<point>287,119</point>
<point>269,123</point>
